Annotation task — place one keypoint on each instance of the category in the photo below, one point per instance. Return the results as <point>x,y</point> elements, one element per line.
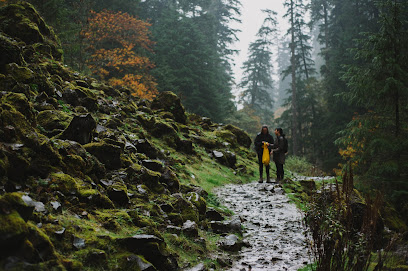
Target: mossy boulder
<point>13,231</point>
<point>52,120</point>
<point>20,102</point>
<point>185,208</point>
<point>153,249</point>
<point>242,137</point>
<point>11,52</point>
<point>107,154</point>
<point>23,22</point>
<point>227,136</point>
<point>19,73</point>
<point>168,101</point>
<point>199,202</point>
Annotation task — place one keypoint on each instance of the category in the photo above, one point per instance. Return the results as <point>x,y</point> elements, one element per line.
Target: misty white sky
<point>252,18</point>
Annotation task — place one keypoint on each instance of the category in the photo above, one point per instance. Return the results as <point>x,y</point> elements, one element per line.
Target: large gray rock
<point>233,225</point>
<point>190,228</point>
<point>231,243</point>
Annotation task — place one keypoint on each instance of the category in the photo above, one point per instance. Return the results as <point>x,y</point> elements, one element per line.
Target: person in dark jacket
<point>262,137</point>
<point>279,155</point>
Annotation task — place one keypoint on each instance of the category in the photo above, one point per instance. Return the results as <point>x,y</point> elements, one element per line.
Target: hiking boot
<point>268,180</point>
<point>260,180</point>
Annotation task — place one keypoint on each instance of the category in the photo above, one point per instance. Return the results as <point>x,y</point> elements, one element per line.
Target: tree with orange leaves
<point>118,43</point>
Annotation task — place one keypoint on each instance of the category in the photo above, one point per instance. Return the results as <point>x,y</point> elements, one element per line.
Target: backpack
<point>285,145</point>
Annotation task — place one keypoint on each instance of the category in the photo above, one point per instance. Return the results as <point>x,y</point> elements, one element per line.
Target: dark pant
<point>279,171</point>
<point>261,166</point>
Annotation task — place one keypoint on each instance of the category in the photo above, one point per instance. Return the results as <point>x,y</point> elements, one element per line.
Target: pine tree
<point>300,69</point>
<point>257,80</point>
<point>376,140</point>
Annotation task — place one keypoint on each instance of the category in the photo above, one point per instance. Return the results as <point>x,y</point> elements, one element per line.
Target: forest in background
<point>352,107</point>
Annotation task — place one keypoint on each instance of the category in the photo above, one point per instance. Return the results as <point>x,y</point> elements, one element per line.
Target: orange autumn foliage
<point>118,43</point>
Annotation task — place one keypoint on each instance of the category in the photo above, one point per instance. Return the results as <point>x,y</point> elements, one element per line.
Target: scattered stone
<point>231,243</point>
<point>140,264</point>
<point>56,205</point>
<point>190,228</point>
<point>198,267</point>
<point>38,206</point>
<point>78,243</point>
<point>153,165</point>
<point>214,215</point>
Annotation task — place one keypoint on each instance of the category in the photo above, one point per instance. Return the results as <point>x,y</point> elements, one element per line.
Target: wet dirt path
<point>273,227</point>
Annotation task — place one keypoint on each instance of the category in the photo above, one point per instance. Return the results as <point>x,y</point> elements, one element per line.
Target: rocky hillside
<point>93,178</point>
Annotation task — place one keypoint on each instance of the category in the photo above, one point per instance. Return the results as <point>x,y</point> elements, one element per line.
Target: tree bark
<point>294,96</point>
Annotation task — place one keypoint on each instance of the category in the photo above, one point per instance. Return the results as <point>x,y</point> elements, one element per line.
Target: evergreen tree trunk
<point>294,98</point>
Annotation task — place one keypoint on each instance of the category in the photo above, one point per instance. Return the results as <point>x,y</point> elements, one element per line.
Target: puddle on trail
<point>272,224</point>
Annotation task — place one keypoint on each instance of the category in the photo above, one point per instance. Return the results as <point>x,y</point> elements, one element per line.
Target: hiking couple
<point>278,150</point>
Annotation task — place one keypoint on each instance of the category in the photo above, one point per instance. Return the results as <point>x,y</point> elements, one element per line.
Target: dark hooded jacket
<point>279,155</point>
<point>263,137</point>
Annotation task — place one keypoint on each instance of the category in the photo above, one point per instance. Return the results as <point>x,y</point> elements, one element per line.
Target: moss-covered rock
<point>23,22</point>
<point>199,202</point>
<point>107,154</point>
<point>11,52</point>
<point>243,138</point>
<point>227,136</point>
<point>52,120</point>
<point>168,101</point>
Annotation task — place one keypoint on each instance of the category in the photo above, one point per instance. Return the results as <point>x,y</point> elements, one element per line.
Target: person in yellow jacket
<point>261,140</point>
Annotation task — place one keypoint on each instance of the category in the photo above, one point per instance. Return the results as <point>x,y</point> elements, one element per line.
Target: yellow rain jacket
<point>265,155</point>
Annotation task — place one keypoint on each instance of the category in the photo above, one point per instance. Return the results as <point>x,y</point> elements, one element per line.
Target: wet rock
<point>233,225</point>
<point>38,206</point>
<point>169,178</point>
<point>185,208</point>
<point>231,243</point>
<point>118,194</point>
<point>231,159</point>
<point>224,261</point>
<point>152,248</point>
<point>107,154</point>
<point>190,228</point>
<point>214,215</point>
<point>198,267</point>
<point>78,243</point>
<point>135,262</point>
<point>162,129</point>
<point>185,146</point>
<point>144,146</point>
<point>199,202</point>
<point>153,165</point>
<point>168,101</point>
<point>20,102</point>
<point>80,129</point>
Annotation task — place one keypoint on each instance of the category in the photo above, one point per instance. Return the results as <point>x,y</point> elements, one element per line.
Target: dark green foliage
<point>192,55</point>
<point>379,87</point>
<point>257,82</point>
